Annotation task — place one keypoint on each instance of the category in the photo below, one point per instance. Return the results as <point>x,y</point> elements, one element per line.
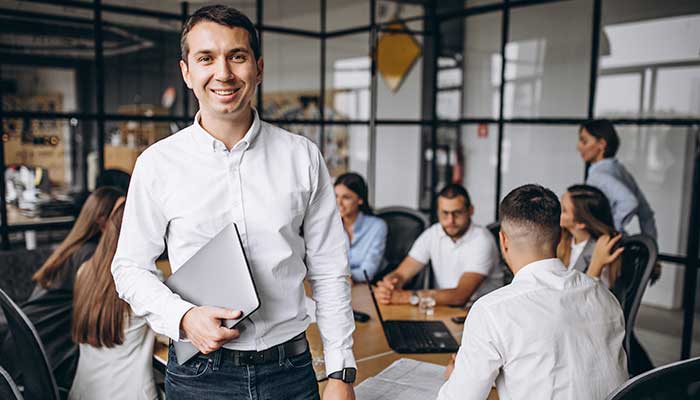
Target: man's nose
<point>223,70</point>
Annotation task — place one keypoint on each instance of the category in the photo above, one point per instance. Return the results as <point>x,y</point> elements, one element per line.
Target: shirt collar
<point>602,164</point>
<point>548,265</point>
<point>206,142</point>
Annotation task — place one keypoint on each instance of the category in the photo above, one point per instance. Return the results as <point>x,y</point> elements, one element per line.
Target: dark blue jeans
<point>216,377</point>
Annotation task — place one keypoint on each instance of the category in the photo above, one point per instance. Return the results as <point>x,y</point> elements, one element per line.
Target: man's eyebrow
<point>238,50</point>
<point>203,51</point>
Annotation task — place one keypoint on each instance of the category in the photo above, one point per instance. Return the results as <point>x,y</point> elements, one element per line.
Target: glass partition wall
<point>491,97</point>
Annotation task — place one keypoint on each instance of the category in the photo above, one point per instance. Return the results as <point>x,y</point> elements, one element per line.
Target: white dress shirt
<point>275,186</point>
<point>553,333</point>
<point>474,252</point>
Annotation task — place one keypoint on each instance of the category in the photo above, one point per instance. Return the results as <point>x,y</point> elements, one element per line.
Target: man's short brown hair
<point>222,15</point>
<point>532,213</point>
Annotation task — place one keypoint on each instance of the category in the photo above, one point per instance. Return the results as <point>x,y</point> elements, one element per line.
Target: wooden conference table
<point>370,347</point>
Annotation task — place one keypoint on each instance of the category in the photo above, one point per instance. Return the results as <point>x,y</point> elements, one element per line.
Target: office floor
<point>660,333</point>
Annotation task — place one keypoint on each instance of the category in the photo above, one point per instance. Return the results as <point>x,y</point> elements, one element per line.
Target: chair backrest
<point>404,226</point>
<point>8,388</point>
<point>37,379</point>
<point>495,228</point>
<point>677,381</point>
<point>638,261</point>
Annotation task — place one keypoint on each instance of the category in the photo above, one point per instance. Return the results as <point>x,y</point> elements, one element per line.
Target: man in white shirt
<point>553,333</point>
<point>464,256</point>
<point>229,166</point>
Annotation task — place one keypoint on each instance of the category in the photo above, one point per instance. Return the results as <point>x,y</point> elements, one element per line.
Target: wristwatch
<point>347,375</point>
<point>414,299</point>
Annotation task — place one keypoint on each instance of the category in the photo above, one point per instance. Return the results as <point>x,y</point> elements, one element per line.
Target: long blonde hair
<point>87,227</point>
<point>98,312</point>
<point>592,209</point>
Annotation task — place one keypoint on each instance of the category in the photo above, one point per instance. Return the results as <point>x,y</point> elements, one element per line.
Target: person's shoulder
<point>497,298</point>
<point>376,222</point>
<point>282,136</point>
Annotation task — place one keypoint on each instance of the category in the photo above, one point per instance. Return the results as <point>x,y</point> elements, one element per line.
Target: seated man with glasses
<point>464,256</point>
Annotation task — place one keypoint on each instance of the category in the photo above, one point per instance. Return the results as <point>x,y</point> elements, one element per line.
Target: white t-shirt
<point>475,252</point>
<point>576,250</point>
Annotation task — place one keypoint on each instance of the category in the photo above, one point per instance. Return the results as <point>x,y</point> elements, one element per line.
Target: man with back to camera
<point>553,333</point>
<point>464,256</point>
<point>227,167</point>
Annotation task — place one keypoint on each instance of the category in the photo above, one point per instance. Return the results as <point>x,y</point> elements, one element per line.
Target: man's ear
<point>185,69</point>
<point>471,211</point>
<point>503,241</point>
<point>261,66</point>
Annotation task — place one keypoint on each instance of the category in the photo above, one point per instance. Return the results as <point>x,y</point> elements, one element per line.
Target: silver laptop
<point>217,275</point>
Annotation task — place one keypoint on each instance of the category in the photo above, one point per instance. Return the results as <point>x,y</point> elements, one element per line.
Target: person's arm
<point>141,241</point>
<point>623,202</point>
<point>327,273</point>
<point>372,260</point>
<point>468,283</point>
<point>478,360</point>
<point>389,289</point>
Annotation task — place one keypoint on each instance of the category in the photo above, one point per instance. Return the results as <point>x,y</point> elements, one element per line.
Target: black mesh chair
<point>37,380</point>
<point>495,228</point>
<point>677,381</point>
<point>638,262</point>
<point>8,388</point>
<point>404,225</point>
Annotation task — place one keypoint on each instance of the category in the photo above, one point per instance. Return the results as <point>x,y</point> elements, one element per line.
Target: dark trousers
<point>217,377</point>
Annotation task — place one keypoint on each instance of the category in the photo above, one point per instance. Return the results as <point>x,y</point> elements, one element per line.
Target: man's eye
<point>238,57</point>
<point>204,59</point>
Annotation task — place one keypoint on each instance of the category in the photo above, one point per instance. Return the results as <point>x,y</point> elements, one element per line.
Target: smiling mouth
<point>225,92</point>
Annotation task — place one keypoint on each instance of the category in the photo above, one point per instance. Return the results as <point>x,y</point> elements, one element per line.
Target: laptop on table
<point>407,336</point>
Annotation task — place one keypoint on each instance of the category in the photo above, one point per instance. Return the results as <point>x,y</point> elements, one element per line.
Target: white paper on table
<point>405,379</point>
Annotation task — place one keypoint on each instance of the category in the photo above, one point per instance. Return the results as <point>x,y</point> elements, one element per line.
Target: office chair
<point>8,388</point>
<point>37,379</point>
<point>494,228</point>
<point>638,261</point>
<point>404,225</point>
<point>677,381</point>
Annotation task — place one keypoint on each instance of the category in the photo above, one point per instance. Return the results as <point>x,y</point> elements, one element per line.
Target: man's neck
<point>228,130</point>
<point>526,259</point>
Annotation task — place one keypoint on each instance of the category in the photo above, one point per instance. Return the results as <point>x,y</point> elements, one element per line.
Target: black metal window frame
<point>432,20</point>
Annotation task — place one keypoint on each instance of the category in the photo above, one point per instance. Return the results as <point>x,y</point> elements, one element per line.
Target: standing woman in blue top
<point>365,233</point>
<point>598,143</point>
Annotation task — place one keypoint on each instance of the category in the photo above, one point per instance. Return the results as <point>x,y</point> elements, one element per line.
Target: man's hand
<point>450,367</point>
<point>338,390</point>
<point>386,288</point>
<point>203,327</point>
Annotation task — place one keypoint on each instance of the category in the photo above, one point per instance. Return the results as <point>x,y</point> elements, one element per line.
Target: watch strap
<point>346,375</point>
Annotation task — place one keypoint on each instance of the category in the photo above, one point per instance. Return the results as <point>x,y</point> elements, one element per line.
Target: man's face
<point>221,70</point>
<point>454,216</point>
<point>591,148</point>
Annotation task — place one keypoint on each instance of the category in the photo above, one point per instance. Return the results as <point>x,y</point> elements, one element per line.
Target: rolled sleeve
<point>141,241</point>
<point>328,272</point>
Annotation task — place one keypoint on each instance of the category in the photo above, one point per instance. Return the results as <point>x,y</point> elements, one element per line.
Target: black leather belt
<point>293,347</point>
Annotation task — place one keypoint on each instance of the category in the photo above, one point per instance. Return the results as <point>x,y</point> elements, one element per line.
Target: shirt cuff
<point>337,360</point>
<point>177,311</point>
